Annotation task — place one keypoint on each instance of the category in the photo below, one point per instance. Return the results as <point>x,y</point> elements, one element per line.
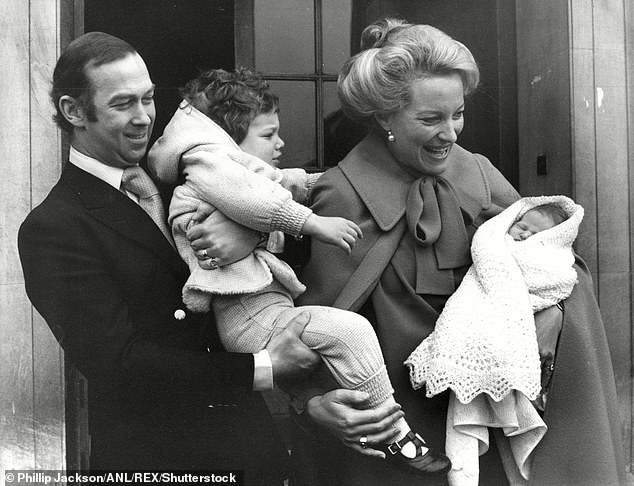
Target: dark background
<point>176,38</point>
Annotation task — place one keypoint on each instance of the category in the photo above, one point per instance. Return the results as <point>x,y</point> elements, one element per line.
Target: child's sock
<point>409,449</point>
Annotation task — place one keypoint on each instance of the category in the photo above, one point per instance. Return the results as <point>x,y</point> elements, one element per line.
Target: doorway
<point>180,38</point>
<point>299,46</point>
<point>176,38</point>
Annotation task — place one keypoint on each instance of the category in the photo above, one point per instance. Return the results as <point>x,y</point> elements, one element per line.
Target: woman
<point>418,198</point>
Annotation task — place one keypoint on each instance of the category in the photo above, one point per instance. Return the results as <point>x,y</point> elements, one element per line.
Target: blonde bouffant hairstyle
<point>377,80</point>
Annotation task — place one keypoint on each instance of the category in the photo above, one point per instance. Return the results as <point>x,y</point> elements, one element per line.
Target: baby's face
<point>532,222</point>
<point>263,138</point>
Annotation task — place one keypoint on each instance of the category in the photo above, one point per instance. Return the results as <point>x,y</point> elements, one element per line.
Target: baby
<point>533,221</point>
<point>224,139</point>
<point>537,219</point>
<point>484,347</point>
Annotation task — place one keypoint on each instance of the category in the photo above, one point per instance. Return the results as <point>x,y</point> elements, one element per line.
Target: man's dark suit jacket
<point>109,286</point>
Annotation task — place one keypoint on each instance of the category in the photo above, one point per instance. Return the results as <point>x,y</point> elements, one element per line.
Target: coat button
<point>179,314</point>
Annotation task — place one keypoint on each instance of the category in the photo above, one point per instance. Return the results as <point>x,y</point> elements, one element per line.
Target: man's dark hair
<point>231,99</point>
<point>70,76</point>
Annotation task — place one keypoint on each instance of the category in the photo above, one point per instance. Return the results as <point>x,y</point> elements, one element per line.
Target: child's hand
<point>335,231</point>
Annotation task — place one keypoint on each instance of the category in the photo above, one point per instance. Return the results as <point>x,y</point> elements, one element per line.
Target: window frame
<point>244,33</point>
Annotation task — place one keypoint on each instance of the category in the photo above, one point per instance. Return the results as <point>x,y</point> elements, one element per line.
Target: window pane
<point>284,36</point>
<point>297,122</point>
<point>340,133</point>
<point>336,16</point>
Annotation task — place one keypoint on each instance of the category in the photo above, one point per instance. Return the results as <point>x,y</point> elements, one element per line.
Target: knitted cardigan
<point>219,175</point>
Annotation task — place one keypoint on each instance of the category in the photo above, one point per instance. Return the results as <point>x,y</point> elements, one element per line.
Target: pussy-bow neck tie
<point>138,182</point>
<point>435,221</point>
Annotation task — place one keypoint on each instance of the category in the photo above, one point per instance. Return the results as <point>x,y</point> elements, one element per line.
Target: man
<point>162,394</point>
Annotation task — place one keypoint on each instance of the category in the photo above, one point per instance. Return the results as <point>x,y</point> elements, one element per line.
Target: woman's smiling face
<point>427,128</point>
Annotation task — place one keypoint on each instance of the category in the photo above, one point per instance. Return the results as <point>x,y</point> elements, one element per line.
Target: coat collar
<point>372,171</point>
<point>119,212</point>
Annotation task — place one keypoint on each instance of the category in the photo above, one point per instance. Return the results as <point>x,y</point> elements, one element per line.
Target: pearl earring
<point>390,136</point>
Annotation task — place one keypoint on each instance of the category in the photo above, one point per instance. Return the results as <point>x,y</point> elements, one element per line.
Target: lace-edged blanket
<point>484,340</point>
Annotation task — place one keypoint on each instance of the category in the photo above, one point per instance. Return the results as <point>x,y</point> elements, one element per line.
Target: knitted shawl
<point>484,340</point>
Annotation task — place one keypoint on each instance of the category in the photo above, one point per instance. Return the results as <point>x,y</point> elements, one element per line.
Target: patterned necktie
<point>136,180</point>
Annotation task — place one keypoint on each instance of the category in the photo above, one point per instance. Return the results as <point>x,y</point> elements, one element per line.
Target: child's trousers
<point>346,341</point>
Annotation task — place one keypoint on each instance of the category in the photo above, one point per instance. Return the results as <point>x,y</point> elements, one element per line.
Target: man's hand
<point>344,414</point>
<point>212,234</point>
<point>290,357</point>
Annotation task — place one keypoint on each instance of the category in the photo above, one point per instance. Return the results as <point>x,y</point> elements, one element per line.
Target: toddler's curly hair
<point>231,99</point>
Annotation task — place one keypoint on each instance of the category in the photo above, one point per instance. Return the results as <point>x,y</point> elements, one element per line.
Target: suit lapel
<point>120,213</point>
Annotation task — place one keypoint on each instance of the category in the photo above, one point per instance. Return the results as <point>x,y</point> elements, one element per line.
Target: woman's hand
<point>548,324</point>
<point>343,414</point>
<point>219,241</point>
<point>333,230</point>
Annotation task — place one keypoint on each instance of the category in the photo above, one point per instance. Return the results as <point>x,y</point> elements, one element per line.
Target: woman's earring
<point>390,136</point>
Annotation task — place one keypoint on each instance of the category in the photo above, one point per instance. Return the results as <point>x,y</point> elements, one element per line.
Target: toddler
<point>224,139</point>
<point>484,347</point>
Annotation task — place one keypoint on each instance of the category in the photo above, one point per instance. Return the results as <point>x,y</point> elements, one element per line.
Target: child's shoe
<point>430,463</point>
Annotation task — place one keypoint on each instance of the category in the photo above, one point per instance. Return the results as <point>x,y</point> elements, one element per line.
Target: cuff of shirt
<point>262,371</point>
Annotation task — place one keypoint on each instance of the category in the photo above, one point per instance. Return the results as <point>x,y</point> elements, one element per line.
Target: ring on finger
<point>203,254</point>
<point>213,263</point>
<point>363,441</point>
